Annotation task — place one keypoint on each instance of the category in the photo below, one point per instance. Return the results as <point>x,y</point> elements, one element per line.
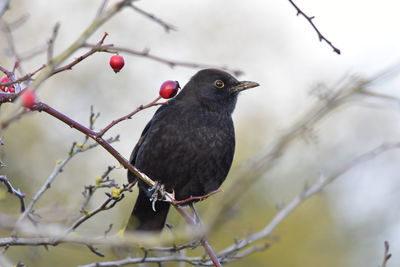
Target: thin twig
<point>198,198</point>
<point>46,185</point>
<point>167,27</point>
<point>124,162</point>
<point>308,192</point>
<point>26,77</point>
<point>386,254</point>
<point>50,43</point>
<point>171,63</point>
<point>6,123</point>
<point>86,33</point>
<point>310,20</point>
<point>12,190</point>
<point>103,181</point>
<point>69,66</point>
<point>102,8</point>
<point>4,6</point>
<point>129,116</point>
<point>106,205</point>
<point>11,42</point>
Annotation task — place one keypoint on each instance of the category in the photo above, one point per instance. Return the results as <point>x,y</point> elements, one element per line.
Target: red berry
<point>169,89</point>
<point>28,98</point>
<point>117,63</point>
<point>7,89</point>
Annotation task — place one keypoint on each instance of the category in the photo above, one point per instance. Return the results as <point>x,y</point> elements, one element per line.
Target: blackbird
<point>187,146</point>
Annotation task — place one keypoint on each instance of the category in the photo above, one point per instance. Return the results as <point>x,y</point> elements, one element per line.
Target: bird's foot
<point>154,191</point>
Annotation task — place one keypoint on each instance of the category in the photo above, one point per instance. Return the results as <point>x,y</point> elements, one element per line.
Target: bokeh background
<point>345,225</point>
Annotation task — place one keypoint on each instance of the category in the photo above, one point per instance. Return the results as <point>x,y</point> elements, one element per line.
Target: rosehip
<point>117,63</point>
<point>28,99</point>
<point>7,89</point>
<point>169,89</point>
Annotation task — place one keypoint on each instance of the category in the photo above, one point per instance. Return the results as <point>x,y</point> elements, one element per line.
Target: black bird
<point>187,146</point>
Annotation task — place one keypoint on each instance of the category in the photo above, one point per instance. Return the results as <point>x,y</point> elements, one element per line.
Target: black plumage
<point>188,145</point>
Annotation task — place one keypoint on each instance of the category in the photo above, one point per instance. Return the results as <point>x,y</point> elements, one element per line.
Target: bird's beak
<point>243,85</point>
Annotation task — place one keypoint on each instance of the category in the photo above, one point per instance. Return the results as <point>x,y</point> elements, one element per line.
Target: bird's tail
<point>144,218</point>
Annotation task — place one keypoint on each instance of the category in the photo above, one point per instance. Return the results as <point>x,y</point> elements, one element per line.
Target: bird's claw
<point>157,193</point>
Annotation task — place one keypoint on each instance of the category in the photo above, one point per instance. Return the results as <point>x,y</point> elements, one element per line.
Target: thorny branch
<point>310,20</point>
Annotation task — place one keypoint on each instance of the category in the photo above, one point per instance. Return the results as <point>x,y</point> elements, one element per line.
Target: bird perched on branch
<point>187,146</point>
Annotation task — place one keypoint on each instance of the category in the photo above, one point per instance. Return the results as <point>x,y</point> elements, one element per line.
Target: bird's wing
<point>132,159</point>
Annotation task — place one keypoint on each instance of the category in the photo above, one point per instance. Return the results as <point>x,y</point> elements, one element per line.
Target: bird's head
<point>214,89</point>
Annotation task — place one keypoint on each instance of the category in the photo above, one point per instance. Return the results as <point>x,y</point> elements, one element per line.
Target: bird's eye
<point>219,83</point>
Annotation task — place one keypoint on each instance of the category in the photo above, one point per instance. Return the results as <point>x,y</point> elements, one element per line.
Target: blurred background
<point>345,225</point>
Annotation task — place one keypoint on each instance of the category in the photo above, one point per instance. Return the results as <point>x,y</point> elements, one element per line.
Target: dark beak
<point>243,85</point>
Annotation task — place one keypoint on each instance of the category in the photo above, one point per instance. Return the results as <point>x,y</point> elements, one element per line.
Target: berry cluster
<point>7,89</point>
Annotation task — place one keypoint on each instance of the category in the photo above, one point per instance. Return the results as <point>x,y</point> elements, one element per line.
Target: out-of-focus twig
<point>11,189</point>
<point>75,149</point>
<point>4,5</point>
<point>50,43</point>
<point>102,7</point>
<point>167,27</point>
<point>5,27</point>
<point>386,255</point>
<point>299,199</point>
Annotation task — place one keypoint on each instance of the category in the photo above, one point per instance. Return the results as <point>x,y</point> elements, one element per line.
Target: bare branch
<point>129,116</point>
<point>386,254</point>
<point>102,8</point>
<point>4,5</point>
<point>167,27</point>
<point>50,43</point>
<point>308,192</point>
<point>310,20</point>
<point>172,63</point>
<point>11,189</point>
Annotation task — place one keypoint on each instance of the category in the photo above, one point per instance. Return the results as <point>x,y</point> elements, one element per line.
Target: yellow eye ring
<point>219,84</point>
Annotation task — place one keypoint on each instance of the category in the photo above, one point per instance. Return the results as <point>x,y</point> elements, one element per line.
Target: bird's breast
<point>189,153</point>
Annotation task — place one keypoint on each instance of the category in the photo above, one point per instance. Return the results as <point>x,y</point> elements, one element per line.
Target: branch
<point>4,6</point>
<point>75,149</point>
<point>230,251</point>
<point>50,48</point>
<point>92,134</point>
<point>107,204</point>
<point>103,181</point>
<point>171,63</point>
<point>78,43</point>
<point>129,116</point>
<point>386,254</point>
<point>12,190</point>
<point>310,20</point>
<point>23,78</point>
<point>167,27</point>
